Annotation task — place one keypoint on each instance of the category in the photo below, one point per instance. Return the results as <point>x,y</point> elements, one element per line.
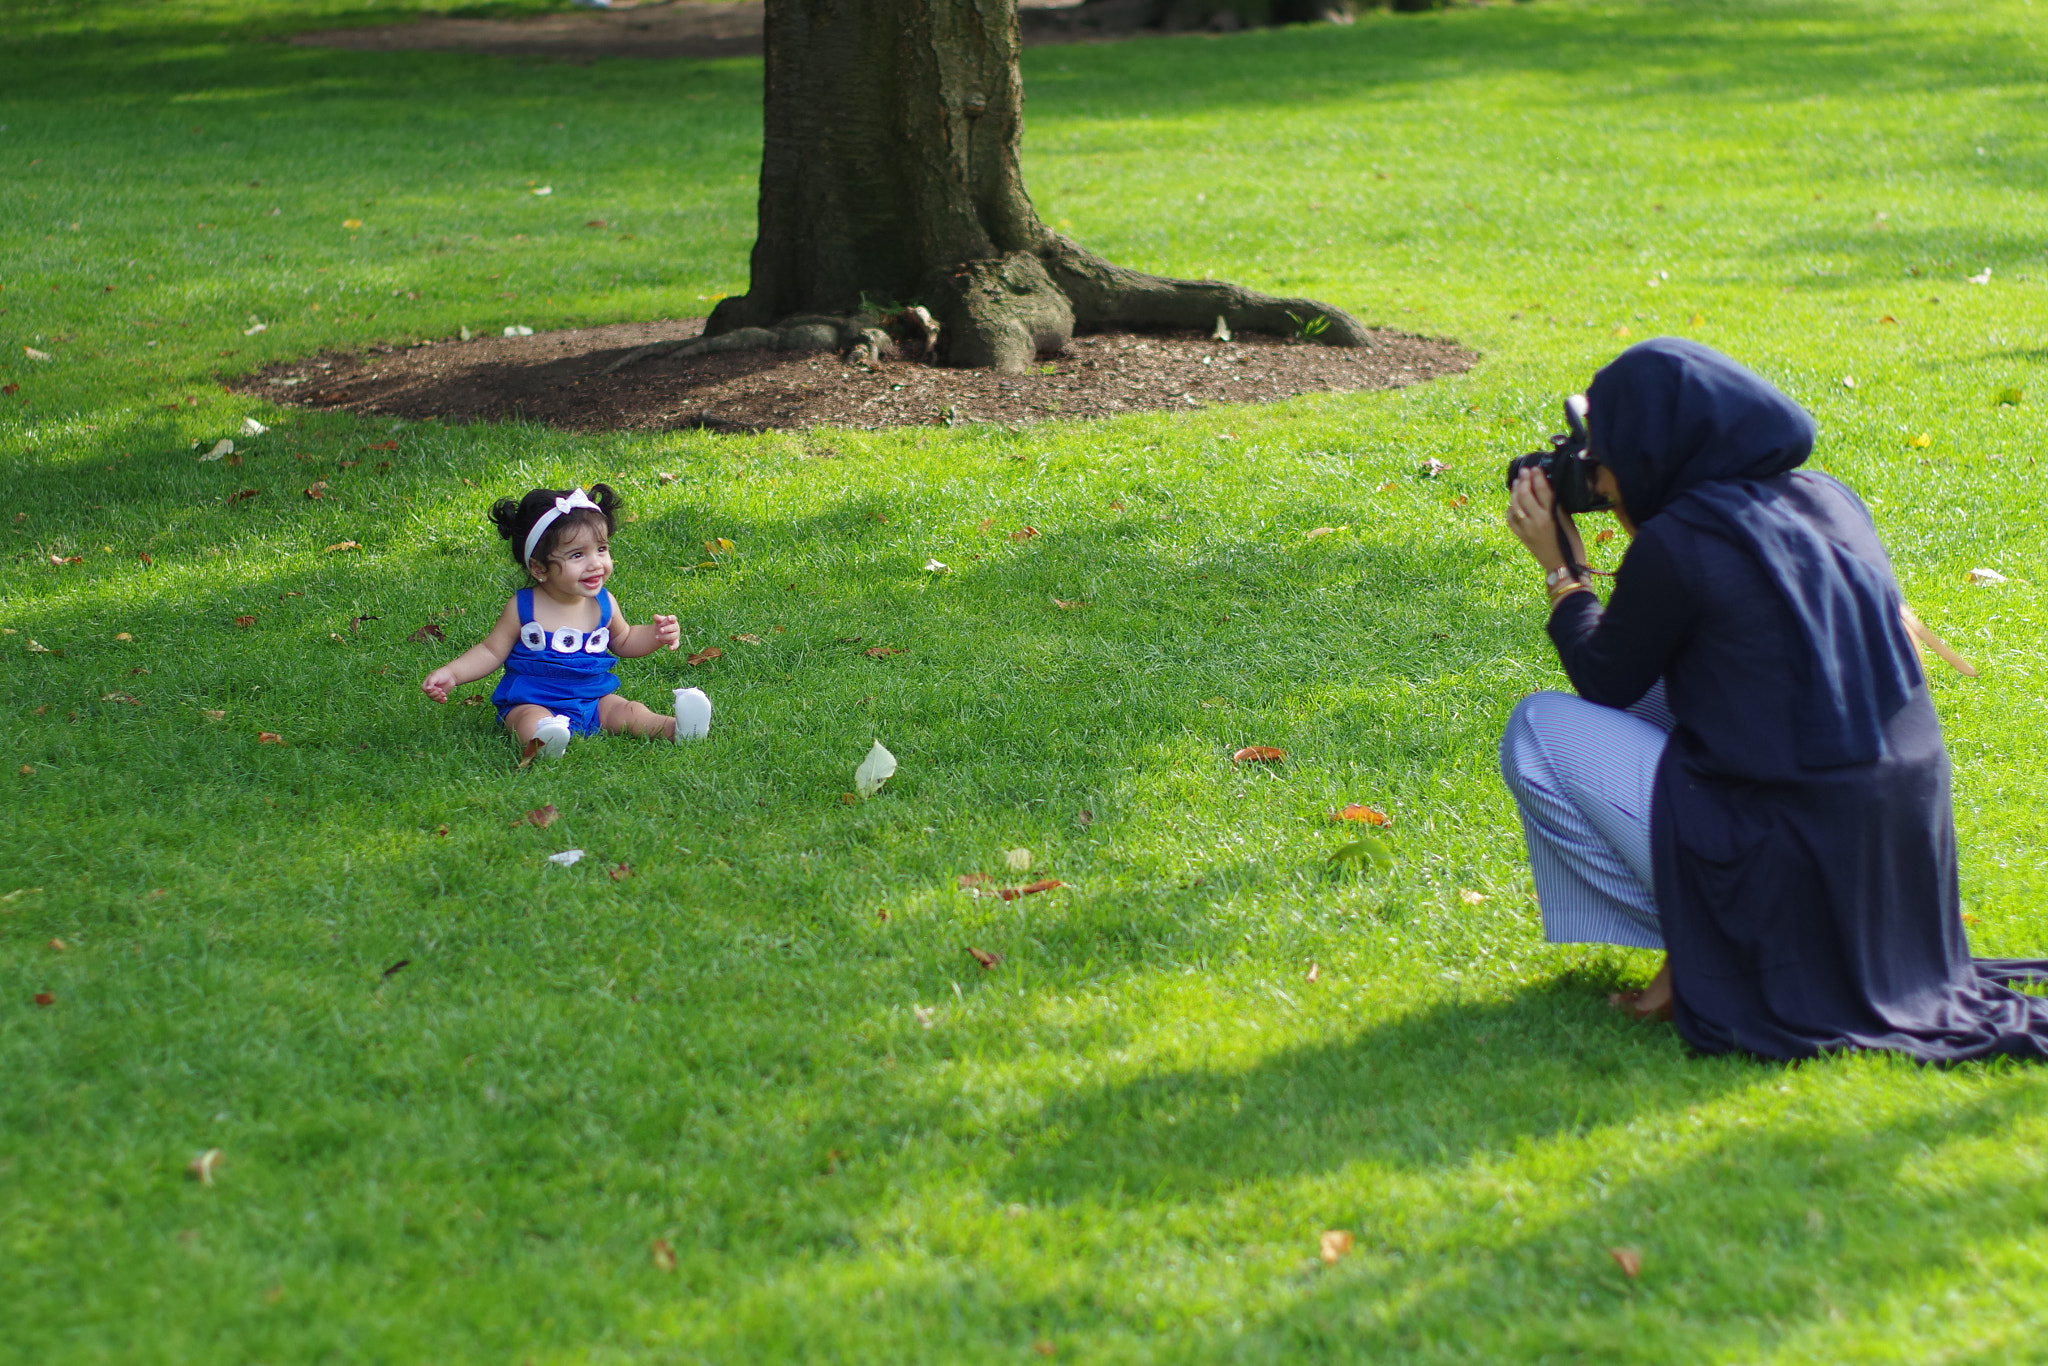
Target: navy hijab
<point>1692,435</point>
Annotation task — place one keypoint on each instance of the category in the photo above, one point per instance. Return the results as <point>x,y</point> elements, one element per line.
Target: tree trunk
<point>889,178</point>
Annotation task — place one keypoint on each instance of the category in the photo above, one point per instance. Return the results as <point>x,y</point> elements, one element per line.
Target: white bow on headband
<point>577,499</point>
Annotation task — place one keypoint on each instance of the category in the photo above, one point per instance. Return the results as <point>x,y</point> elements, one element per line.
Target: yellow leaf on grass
<point>1921,442</point>
<point>1335,1243</point>
<point>351,223</point>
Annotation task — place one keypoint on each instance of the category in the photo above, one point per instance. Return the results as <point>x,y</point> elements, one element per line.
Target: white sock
<point>553,734</point>
<point>693,714</point>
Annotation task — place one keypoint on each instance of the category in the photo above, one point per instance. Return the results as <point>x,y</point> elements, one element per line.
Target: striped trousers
<point>1583,775</point>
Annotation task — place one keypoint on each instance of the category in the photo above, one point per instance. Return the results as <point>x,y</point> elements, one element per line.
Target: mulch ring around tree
<point>557,379</point>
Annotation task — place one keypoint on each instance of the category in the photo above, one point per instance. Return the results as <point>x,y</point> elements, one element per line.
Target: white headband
<point>577,499</point>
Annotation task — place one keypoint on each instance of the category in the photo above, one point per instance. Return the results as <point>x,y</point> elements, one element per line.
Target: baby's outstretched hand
<point>437,684</point>
<point>666,632</point>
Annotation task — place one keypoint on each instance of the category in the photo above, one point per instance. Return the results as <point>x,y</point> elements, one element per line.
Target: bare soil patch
<point>557,378</point>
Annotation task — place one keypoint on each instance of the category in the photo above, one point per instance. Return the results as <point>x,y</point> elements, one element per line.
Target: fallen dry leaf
<point>243,494</point>
<point>710,652</point>
<point>665,477</point>
<point>1355,812</point>
<point>1629,1259</point>
<point>984,524</point>
<point>1024,533</point>
<point>984,957</point>
<point>746,640</point>
<point>963,880</point>
<point>849,798</point>
<point>129,698</point>
<point>269,737</point>
<point>67,559</point>
<point>44,998</point>
<point>620,872</point>
<point>382,446</point>
<point>318,489</point>
<point>200,1168</point>
<point>881,651</point>
<point>1259,754</point>
<point>662,1255</point>
<point>1604,537</point>
<point>28,770</point>
<point>848,640</point>
<point>57,946</point>
<point>1117,506</point>
<point>1314,971</point>
<point>354,622</point>
<point>1029,888</point>
<point>1335,1243</point>
<point>541,817</point>
<point>1086,817</point>
<point>1067,606</point>
<point>144,556</point>
<point>344,545</point>
<point>1320,531</point>
<point>526,753</point>
<point>1017,860</point>
<point>441,830</point>
<point>400,966</point>
<point>1460,500</point>
<point>1044,1348</point>
<point>1470,897</point>
<point>431,631</point>
<point>718,546</point>
<point>212,714</point>
<point>1921,442</point>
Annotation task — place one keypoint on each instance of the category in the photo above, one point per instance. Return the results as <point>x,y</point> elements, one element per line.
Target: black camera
<point>1566,466</point>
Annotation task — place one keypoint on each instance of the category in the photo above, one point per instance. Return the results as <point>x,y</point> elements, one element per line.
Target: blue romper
<point>566,671</point>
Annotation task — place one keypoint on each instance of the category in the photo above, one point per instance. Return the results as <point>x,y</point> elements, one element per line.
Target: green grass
<point>1125,1140</point>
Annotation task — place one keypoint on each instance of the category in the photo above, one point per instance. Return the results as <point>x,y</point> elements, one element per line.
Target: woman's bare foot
<point>1653,1002</point>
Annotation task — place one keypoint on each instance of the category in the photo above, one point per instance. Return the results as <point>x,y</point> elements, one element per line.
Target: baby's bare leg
<point>623,717</point>
<point>523,718</point>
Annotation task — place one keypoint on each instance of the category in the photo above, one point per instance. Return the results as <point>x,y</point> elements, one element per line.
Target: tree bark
<point>890,178</point>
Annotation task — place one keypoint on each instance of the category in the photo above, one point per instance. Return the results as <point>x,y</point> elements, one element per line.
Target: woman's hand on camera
<point>1531,518</point>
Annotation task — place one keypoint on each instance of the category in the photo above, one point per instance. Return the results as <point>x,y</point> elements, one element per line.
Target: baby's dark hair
<point>515,517</point>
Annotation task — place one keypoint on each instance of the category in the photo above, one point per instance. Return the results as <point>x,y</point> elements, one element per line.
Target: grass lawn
<point>1124,1142</point>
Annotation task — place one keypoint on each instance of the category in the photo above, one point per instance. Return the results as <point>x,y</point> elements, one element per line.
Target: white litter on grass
<point>1987,576</point>
<point>935,567</point>
<point>34,354</point>
<point>874,771</point>
<point>517,331</point>
<point>251,427</point>
<point>467,334</point>
<point>220,448</point>
<point>545,189</point>
<point>255,328</point>
<point>1017,860</point>
<point>566,857</point>
<point>1982,278</point>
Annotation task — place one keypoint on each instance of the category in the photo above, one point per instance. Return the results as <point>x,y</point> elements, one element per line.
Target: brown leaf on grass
<point>431,631</point>
<point>1604,537</point>
<point>129,698</point>
<point>984,957</point>
<point>746,639</point>
<point>1888,318</point>
<point>1629,1259</point>
<point>476,699</point>
<point>144,556</point>
<point>44,998</point>
<point>442,831</point>
<point>1044,885</point>
<point>596,223</point>
<point>269,737</point>
<point>1044,1348</point>
<point>1117,506</point>
<point>526,753</point>
<point>541,817</point>
<point>213,714</point>
<point>382,446</point>
<point>400,966</point>
<point>1968,919</point>
<point>245,621</point>
<point>708,653</point>
<point>1259,754</point>
<point>1066,606</point>
<point>57,946</point>
<point>242,494</point>
<point>344,545</point>
<point>28,770</point>
<point>1024,533</point>
<point>201,1168</point>
<point>318,489</point>
<point>620,872</point>
<point>1086,817</point>
<point>882,914</point>
<point>1335,1243</point>
<point>10,389</point>
<point>67,559</point>
<point>665,477</point>
<point>849,798</point>
<point>849,640</point>
<point>1354,812</point>
<point>282,596</point>
<point>1460,500</point>
<point>663,1256</point>
<point>972,880</point>
<point>881,651</point>
<point>984,524</point>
